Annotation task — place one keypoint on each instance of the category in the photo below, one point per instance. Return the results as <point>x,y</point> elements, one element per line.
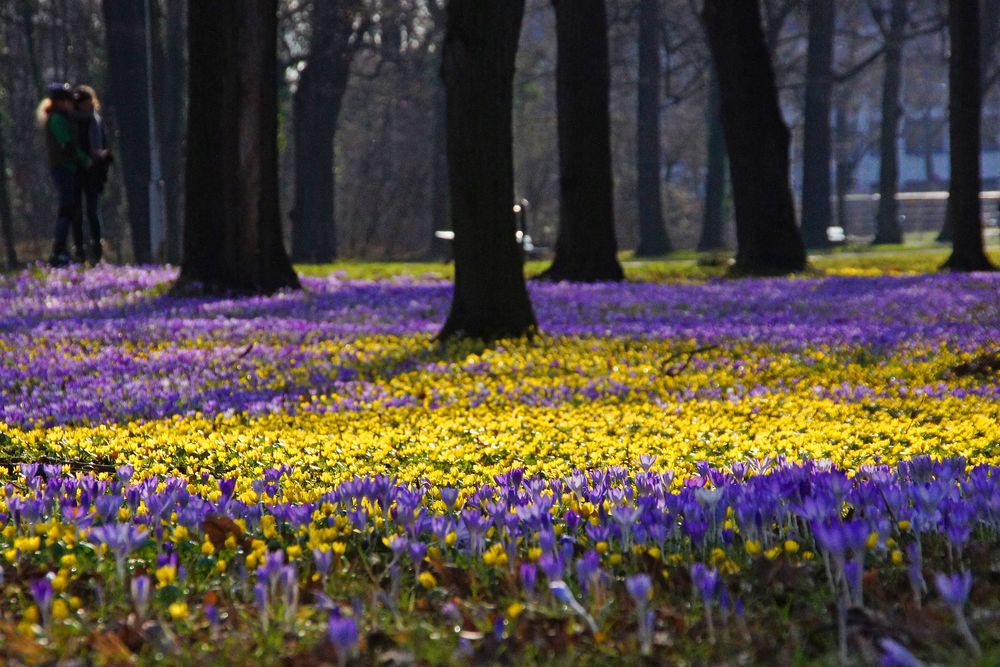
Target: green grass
<point>678,267</point>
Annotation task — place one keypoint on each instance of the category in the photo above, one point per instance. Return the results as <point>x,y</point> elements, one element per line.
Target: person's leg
<point>78,254</point>
<point>65,182</point>
<point>94,218</point>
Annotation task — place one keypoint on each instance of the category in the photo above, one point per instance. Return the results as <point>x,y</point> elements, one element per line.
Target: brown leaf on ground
<point>109,650</point>
<point>220,528</point>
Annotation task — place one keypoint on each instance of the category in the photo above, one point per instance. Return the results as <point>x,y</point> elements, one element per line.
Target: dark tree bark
<point>653,239</point>
<point>714,217</point>
<point>232,224</point>
<point>172,115</point>
<point>438,249</point>
<point>757,140</point>
<point>964,213</point>
<point>124,22</point>
<point>586,249</point>
<point>887,220</point>
<point>317,105</point>
<point>6,217</point>
<point>816,145</point>
<point>490,299</point>
<point>989,32</point>
<point>845,163</point>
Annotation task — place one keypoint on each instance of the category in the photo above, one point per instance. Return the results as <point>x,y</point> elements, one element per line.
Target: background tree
<point>714,212</point>
<point>586,248</point>
<point>757,140</point>
<point>317,104</point>
<point>964,213</point>
<point>232,224</point>
<point>125,32</point>
<point>653,239</point>
<point>172,118</point>
<point>893,28</point>
<point>490,299</point>
<point>817,213</point>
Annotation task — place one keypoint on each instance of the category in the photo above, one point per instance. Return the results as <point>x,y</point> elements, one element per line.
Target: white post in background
<point>157,210</point>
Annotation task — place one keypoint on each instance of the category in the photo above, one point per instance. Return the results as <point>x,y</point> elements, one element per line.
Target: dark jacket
<point>62,139</point>
<point>93,142</point>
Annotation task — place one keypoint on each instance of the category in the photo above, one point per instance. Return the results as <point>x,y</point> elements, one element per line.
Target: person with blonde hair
<point>66,160</point>
<point>90,183</point>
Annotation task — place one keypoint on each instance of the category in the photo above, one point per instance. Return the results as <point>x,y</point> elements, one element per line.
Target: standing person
<point>90,182</point>
<point>66,159</point>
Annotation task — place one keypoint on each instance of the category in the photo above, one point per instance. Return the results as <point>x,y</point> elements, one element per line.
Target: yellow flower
<point>221,565</point>
<point>427,580</point>
<point>872,541</point>
<point>791,546</point>
<point>773,553</point>
<point>515,610</point>
<point>60,610</point>
<point>753,547</point>
<point>178,610</point>
<point>904,525</point>
<point>166,575</point>
<point>207,548</point>
<point>897,557</point>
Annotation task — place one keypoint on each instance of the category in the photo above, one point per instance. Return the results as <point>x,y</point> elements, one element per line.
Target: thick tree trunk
<point>126,48</point>
<point>845,163</point>
<point>964,214</point>
<point>317,105</point>
<point>490,299</point>
<point>586,249</point>
<point>232,224</point>
<point>757,140</point>
<point>887,228</point>
<point>653,239</point>
<point>6,217</point>
<point>713,225</point>
<point>816,146</point>
<point>172,115</point>
<point>438,249</point>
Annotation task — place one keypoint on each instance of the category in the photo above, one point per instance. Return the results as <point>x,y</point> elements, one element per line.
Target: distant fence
<point>918,211</point>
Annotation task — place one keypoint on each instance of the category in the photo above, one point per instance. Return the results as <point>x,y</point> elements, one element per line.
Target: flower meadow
<point>800,471</point>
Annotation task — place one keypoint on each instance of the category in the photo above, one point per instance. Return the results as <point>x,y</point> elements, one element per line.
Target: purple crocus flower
<point>41,591</point>
<point>342,631</point>
<point>140,588</point>
<point>896,655</point>
<point>954,588</point>
<point>639,587</point>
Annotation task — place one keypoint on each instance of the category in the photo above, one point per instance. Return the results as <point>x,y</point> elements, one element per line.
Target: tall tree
<point>317,105</point>
<point>586,249</point>
<point>124,27</point>
<point>6,216</point>
<point>893,28</point>
<point>965,101</point>
<point>490,299</point>
<point>232,225</point>
<point>714,215</point>
<point>653,239</point>
<point>172,120</point>
<point>757,140</point>
<point>816,145</point>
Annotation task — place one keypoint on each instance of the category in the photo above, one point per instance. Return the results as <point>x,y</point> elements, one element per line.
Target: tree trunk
<point>816,209</point>
<point>124,22</point>
<point>757,140</point>
<point>964,214</point>
<point>653,239</point>
<point>438,249</point>
<point>887,228</point>
<point>586,249</point>
<point>845,163</point>
<point>172,115</point>
<point>490,299</point>
<point>6,217</point>
<point>232,224</point>
<point>714,218</point>
<point>317,105</point>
